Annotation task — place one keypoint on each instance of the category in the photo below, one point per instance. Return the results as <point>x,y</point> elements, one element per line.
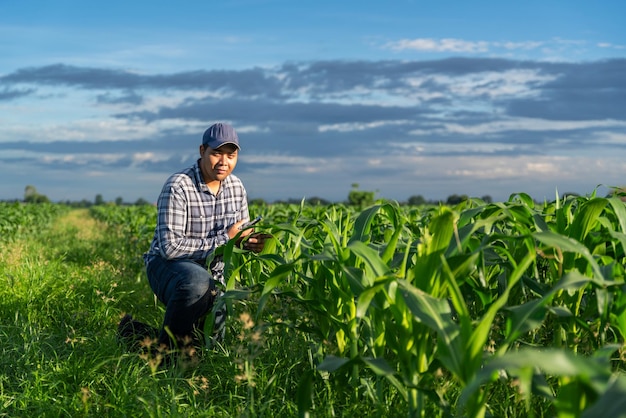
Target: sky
<point>404,98</point>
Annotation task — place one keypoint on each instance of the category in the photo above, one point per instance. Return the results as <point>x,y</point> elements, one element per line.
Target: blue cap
<point>220,134</point>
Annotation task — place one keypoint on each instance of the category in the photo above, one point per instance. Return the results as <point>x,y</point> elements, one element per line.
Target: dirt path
<point>80,223</point>
<point>76,227</point>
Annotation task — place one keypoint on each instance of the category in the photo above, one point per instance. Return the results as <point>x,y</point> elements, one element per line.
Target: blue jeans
<point>187,290</point>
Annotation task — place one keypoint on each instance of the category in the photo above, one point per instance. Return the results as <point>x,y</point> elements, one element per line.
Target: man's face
<point>217,164</point>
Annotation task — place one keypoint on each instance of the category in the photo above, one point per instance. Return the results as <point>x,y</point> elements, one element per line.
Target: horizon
<point>100,199</point>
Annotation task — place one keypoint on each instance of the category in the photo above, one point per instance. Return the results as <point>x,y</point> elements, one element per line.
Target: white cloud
<point>555,49</point>
<point>610,138</point>
<point>527,45</point>
<point>82,159</point>
<point>610,45</point>
<point>420,148</point>
<point>459,45</point>
<point>538,169</point>
<point>96,130</point>
<point>355,127</point>
<point>438,45</point>
<point>530,124</point>
<point>140,157</point>
<point>512,83</point>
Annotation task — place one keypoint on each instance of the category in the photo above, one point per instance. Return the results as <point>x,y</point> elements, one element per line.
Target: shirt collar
<point>198,178</point>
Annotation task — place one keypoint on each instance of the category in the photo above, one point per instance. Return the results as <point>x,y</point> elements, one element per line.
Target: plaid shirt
<point>191,220</point>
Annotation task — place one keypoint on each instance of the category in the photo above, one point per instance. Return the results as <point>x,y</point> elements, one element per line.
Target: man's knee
<point>197,286</point>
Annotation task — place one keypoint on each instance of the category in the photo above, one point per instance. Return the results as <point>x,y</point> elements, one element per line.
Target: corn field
<point>511,308</point>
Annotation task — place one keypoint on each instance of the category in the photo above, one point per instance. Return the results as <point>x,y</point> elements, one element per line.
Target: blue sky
<point>402,97</point>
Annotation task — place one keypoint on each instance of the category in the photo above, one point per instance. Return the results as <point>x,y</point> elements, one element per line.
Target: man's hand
<point>256,242</point>
<point>236,228</point>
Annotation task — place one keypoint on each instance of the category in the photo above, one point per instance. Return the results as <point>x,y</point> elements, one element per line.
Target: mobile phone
<point>252,222</point>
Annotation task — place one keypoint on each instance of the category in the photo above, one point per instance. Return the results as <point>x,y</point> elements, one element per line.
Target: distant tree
<point>141,201</point>
<point>487,199</point>
<point>360,198</point>
<point>32,196</point>
<point>29,191</point>
<point>82,204</point>
<point>416,200</point>
<point>98,200</point>
<point>290,201</point>
<point>455,199</point>
<point>258,201</point>
<point>119,201</point>
<point>318,201</point>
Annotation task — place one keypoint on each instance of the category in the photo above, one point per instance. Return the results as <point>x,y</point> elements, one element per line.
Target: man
<point>199,209</point>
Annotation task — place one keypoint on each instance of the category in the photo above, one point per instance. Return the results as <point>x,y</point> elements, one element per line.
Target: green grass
<point>62,293</point>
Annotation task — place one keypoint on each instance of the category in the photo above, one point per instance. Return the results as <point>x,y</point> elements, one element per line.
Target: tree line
<point>356,197</point>
<point>32,195</point>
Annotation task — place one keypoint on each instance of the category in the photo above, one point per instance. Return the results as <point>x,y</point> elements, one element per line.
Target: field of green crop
<point>506,309</point>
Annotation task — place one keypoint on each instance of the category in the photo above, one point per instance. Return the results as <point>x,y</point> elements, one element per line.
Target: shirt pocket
<point>200,221</point>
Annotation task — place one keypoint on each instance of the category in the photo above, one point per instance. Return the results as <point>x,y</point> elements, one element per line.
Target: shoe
<point>135,335</point>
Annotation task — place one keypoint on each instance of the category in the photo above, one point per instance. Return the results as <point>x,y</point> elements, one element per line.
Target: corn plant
<point>389,296</point>
<point>23,218</point>
<point>399,294</point>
